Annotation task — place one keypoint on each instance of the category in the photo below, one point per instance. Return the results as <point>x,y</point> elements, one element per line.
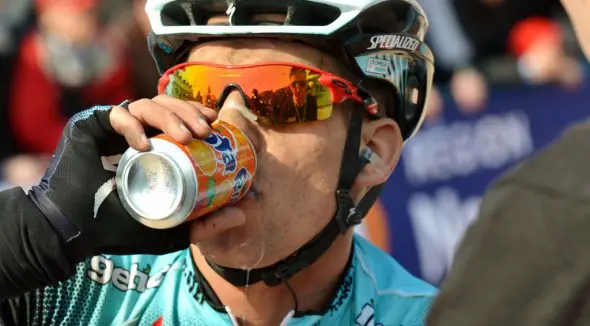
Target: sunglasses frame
<point>340,88</point>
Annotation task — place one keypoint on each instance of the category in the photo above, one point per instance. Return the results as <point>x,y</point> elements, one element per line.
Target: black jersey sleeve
<point>31,254</point>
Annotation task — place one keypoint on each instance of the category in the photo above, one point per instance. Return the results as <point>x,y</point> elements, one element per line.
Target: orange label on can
<point>224,163</point>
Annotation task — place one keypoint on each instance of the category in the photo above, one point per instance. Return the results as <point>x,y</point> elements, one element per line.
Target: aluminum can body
<point>174,183</point>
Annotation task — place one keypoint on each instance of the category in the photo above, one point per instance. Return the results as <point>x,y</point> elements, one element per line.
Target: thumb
<point>235,99</point>
<point>235,103</point>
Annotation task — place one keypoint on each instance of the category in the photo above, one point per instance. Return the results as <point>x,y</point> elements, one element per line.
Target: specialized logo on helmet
<point>223,145</point>
<point>394,42</point>
<point>231,10</point>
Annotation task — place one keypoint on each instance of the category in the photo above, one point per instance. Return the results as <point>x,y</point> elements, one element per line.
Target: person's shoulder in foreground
<point>525,261</point>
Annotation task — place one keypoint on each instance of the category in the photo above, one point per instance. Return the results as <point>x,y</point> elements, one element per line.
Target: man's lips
<point>254,191</point>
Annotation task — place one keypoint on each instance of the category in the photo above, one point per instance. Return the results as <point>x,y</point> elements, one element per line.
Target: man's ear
<point>382,141</point>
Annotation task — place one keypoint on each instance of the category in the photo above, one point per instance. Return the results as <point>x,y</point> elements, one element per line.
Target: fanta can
<point>174,183</point>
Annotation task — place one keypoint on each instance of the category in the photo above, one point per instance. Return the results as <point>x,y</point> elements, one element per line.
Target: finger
<point>125,124</point>
<point>234,100</point>
<point>209,113</point>
<point>212,225</point>
<point>235,104</point>
<point>152,114</point>
<point>190,114</point>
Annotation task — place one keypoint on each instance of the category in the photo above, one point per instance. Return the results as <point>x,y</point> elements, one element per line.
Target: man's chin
<point>233,252</point>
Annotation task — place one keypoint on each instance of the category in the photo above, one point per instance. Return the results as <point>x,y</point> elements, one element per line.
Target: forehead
<point>237,51</point>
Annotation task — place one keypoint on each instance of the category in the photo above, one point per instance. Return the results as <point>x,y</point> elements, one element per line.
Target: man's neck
<point>314,287</point>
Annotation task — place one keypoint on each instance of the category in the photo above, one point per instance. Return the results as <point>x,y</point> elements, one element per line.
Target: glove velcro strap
<point>75,245</point>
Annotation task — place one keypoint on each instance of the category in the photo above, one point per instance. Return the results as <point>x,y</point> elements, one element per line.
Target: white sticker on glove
<point>109,163</point>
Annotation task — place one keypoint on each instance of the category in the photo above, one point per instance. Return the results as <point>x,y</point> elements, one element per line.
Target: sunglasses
<point>276,93</point>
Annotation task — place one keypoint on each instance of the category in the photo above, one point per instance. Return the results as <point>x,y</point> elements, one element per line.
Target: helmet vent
<point>390,17</point>
<point>295,13</point>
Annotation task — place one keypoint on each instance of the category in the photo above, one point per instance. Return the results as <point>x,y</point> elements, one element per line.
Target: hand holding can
<point>174,183</point>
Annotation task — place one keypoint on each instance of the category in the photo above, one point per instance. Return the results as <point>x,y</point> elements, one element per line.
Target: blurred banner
<point>435,192</point>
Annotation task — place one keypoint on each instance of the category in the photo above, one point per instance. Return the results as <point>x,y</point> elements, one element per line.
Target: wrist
<point>75,244</point>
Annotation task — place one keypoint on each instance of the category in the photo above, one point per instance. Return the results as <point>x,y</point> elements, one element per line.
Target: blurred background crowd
<point>58,57</point>
<point>478,43</point>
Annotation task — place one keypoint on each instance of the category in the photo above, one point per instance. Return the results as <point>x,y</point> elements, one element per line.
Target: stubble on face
<point>298,166</point>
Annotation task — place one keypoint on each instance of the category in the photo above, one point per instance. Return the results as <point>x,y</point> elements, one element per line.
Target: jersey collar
<point>205,295</point>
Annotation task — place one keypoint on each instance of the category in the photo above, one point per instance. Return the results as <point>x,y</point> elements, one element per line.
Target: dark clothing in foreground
<point>526,260</point>
<point>30,250</point>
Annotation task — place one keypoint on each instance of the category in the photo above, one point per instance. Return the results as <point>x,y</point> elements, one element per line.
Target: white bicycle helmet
<point>381,41</point>
<point>377,39</point>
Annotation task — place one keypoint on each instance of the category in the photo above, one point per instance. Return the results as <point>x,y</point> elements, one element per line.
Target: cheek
<point>300,174</point>
<point>303,160</point>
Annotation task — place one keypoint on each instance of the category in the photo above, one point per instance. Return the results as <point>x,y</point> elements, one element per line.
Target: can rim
<point>178,198</point>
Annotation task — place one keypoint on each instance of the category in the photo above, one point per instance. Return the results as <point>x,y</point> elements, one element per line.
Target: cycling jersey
<point>169,290</point>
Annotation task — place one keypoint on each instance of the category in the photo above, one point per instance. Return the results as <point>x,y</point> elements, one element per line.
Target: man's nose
<point>236,112</point>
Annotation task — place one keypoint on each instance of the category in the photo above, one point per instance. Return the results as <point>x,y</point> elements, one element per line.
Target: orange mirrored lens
<point>277,94</point>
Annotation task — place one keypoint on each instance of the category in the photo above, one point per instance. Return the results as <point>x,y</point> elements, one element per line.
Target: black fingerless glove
<point>88,220</point>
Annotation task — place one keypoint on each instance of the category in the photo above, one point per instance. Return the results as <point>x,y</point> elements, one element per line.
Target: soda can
<point>174,183</point>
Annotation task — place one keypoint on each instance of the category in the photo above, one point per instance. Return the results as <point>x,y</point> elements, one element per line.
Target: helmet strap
<point>347,215</point>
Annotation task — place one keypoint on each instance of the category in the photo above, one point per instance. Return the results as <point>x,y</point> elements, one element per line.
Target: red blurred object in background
<point>75,5</point>
<point>66,64</point>
<point>538,45</point>
<point>530,32</point>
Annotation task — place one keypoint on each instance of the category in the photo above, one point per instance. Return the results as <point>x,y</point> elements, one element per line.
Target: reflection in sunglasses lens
<point>298,84</point>
<point>280,97</point>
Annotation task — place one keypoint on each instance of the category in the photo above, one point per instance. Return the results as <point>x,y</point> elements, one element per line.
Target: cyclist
<point>285,255</point>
